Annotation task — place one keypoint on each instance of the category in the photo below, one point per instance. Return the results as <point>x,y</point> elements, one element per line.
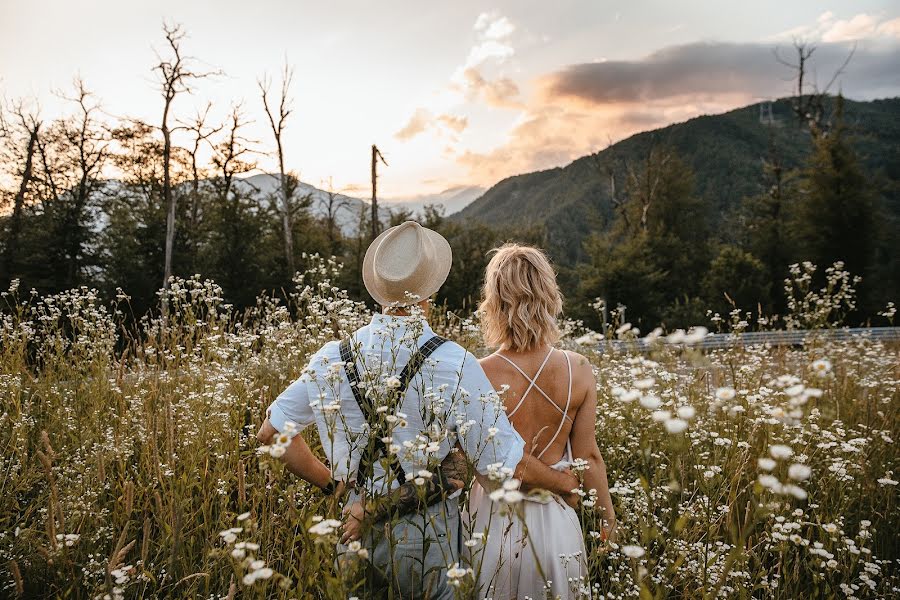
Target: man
<point>390,403</point>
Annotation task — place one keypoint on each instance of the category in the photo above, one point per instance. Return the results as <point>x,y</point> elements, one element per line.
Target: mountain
<point>453,199</point>
<point>725,152</point>
<point>347,208</point>
<point>264,186</point>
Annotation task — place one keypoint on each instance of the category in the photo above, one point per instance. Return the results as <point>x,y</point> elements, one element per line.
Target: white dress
<point>537,550</point>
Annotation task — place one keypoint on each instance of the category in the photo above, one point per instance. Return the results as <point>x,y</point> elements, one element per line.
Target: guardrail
<point>794,337</point>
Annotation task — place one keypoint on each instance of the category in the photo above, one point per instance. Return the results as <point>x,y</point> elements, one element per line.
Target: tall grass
<point>129,462</point>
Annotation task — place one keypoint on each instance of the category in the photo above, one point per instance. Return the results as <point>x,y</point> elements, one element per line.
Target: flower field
<point>130,465</point>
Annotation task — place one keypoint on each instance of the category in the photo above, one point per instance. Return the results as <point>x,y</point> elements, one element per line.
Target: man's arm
<point>298,458</point>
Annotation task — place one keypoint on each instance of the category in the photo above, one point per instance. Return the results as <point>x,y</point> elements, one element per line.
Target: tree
<point>133,240</point>
<point>73,156</point>
<point>200,134</point>
<point>836,215</point>
<point>657,249</point>
<point>764,225</point>
<point>735,278</point>
<point>22,128</point>
<point>237,240</point>
<point>331,204</point>
<point>175,77</point>
<point>809,103</point>
<point>277,124</point>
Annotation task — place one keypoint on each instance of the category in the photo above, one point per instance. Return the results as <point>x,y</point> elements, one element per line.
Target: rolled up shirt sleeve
<point>483,428</point>
<point>292,405</point>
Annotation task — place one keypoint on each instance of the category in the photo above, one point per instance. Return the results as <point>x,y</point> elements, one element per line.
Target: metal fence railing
<point>795,337</point>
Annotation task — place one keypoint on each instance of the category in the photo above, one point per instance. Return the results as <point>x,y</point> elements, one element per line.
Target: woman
<point>537,545</point>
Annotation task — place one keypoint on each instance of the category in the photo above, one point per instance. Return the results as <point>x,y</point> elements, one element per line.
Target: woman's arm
<point>536,474</point>
<point>584,446</point>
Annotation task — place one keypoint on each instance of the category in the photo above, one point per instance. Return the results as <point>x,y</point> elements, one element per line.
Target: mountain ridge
<point>725,151</point>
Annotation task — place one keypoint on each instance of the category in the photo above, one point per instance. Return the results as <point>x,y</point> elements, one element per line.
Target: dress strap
<point>532,383</point>
<point>565,412</point>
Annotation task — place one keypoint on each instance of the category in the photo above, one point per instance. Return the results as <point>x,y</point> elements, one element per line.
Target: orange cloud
<point>422,120</point>
<point>500,93</point>
<point>417,123</point>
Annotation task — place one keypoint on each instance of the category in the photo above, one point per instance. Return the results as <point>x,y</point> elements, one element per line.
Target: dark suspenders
<point>376,447</point>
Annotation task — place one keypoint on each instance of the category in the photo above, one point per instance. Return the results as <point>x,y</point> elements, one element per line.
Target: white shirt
<point>449,400</point>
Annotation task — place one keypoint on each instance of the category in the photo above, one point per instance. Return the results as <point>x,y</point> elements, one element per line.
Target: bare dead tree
<point>28,125</point>
<point>175,76</point>
<point>608,171</point>
<point>87,142</point>
<point>808,103</point>
<point>74,152</point>
<point>331,204</point>
<point>376,156</point>
<point>230,154</point>
<point>201,134</point>
<point>277,124</point>
<point>643,183</point>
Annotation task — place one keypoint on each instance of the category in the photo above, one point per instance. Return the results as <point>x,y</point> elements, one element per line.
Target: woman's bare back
<point>540,420</point>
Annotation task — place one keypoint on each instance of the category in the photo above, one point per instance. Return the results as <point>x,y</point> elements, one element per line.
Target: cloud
<point>500,92</point>
<point>494,26</point>
<point>417,124</point>
<point>581,108</point>
<point>709,69</point>
<point>453,123</point>
<point>423,120</point>
<point>828,28</point>
<point>491,48</point>
<point>492,33</point>
<point>859,27</point>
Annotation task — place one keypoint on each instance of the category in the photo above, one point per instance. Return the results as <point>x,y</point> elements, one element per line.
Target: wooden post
<point>376,155</point>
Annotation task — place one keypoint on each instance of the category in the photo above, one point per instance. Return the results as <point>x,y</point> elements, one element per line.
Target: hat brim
<point>432,281</point>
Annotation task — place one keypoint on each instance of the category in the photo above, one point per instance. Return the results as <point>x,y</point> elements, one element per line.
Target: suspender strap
<point>375,448</point>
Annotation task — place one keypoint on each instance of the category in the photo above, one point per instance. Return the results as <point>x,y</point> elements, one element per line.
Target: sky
<point>453,93</point>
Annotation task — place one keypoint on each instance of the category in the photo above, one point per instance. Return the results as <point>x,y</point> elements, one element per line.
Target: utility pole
<point>376,155</point>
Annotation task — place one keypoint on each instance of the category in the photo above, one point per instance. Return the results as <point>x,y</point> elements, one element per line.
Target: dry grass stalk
<point>17,578</point>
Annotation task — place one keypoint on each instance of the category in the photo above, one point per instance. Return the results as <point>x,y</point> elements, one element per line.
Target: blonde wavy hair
<point>520,299</point>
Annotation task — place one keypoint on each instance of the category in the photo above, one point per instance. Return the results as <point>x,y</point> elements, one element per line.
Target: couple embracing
<point>407,418</point>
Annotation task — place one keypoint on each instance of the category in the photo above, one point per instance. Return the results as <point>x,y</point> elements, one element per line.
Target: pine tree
<point>764,232</point>
<point>836,217</point>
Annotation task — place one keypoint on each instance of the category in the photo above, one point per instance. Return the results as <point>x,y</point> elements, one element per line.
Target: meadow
<point>130,466</point>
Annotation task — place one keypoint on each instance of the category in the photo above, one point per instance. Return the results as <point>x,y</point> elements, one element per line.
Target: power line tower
<point>766,117</point>
<point>376,156</point>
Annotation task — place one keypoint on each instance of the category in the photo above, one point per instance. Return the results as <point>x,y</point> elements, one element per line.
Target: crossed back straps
<point>532,385</point>
<point>375,447</point>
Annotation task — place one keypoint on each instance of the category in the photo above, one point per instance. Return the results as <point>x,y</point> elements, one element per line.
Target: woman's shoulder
<point>491,361</point>
<point>579,361</point>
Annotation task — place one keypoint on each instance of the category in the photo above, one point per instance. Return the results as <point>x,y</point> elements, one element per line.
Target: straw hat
<point>405,259</point>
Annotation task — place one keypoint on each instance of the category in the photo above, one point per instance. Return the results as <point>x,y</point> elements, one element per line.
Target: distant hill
<point>264,186</point>
<point>454,199</point>
<point>725,151</point>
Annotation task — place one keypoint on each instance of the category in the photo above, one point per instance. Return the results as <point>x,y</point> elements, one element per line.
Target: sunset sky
<point>453,92</point>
